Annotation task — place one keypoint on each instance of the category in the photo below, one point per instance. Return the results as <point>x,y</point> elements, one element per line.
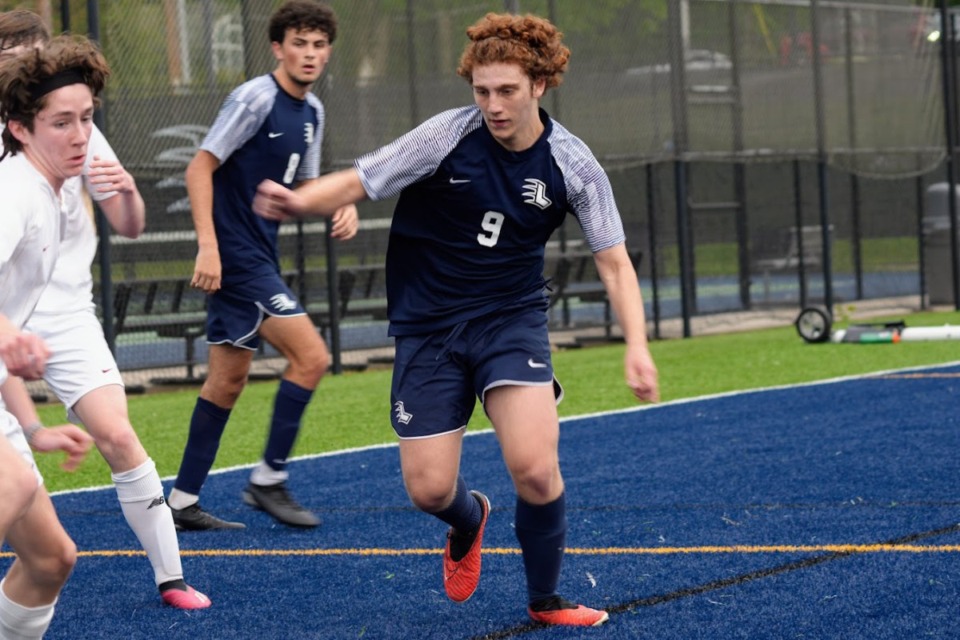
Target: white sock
<point>23,623</point>
<point>141,499</point>
<point>264,476</point>
<point>181,500</point>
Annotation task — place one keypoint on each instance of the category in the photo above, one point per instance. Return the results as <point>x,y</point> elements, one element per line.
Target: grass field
<point>351,410</point>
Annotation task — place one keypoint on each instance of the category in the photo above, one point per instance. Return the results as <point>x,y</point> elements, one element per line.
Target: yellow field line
<point>595,551</point>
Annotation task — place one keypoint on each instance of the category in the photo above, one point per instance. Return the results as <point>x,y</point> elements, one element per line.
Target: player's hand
<point>276,202</point>
<point>24,354</point>
<point>345,222</point>
<point>641,374</point>
<point>110,176</point>
<point>69,438</point>
<point>206,272</point>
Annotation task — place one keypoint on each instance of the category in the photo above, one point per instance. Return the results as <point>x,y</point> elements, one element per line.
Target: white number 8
<point>291,171</point>
<point>492,223</point>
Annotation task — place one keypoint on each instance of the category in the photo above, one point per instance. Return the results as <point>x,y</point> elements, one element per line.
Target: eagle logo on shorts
<point>402,416</point>
<point>283,302</point>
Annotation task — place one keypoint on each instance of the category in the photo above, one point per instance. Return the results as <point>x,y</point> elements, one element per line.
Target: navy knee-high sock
<point>542,533</point>
<point>206,428</point>
<point>288,408</point>
<point>464,512</point>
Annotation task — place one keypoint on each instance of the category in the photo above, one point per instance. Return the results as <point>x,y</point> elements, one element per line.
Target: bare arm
<point>620,280</point>
<point>19,402</point>
<point>199,178</point>
<point>69,438</point>
<point>125,210</point>
<point>323,196</point>
<point>23,354</point>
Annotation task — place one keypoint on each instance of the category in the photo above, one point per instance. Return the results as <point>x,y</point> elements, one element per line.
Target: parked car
<point>696,60</point>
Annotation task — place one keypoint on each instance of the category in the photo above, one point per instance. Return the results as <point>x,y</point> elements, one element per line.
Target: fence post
<point>947,52</point>
<point>103,227</point>
<point>822,177</point>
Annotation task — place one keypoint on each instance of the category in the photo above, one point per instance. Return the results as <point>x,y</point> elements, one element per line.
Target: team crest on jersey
<point>402,416</point>
<point>283,302</point>
<point>308,129</point>
<point>535,193</point>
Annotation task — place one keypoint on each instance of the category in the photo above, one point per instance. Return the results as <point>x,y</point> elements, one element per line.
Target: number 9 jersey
<point>473,218</point>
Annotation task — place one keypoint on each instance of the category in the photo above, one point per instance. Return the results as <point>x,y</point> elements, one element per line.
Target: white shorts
<point>80,359</point>
<point>14,434</point>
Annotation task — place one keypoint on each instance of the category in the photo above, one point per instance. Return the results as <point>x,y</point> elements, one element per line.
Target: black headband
<point>58,80</point>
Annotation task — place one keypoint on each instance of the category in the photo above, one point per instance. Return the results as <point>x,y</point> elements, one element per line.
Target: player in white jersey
<point>481,189</point>
<point>47,100</point>
<point>81,370</point>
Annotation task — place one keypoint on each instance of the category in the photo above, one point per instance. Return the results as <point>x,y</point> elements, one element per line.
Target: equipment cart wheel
<point>813,324</point>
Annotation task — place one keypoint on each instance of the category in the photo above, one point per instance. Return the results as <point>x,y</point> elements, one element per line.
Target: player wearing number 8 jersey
<point>481,189</point>
<point>271,127</point>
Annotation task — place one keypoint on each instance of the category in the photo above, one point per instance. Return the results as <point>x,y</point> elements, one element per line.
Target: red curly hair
<point>529,41</point>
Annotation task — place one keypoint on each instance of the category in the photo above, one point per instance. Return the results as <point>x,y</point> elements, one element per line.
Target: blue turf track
<point>712,518</point>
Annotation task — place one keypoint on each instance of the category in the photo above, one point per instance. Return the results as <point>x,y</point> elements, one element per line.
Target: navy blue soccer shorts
<point>437,377</point>
<point>235,312</point>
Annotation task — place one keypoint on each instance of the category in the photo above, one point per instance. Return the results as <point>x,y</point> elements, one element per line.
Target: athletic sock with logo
<point>141,499</point>
<point>18,622</point>
<point>288,408</point>
<point>542,533</point>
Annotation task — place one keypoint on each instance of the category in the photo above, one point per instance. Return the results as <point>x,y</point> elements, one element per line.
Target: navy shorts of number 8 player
<point>466,290</point>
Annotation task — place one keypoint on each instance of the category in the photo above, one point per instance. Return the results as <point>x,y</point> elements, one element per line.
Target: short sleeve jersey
<point>469,229</point>
<point>261,133</point>
<point>71,286</point>
<point>29,245</point>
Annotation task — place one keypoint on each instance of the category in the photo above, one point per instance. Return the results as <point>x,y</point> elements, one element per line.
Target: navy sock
<point>542,533</point>
<point>464,513</point>
<point>206,427</point>
<point>288,408</point>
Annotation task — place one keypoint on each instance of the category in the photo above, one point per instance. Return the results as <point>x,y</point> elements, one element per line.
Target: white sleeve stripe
<point>241,115</point>
<point>416,154</point>
<point>588,190</point>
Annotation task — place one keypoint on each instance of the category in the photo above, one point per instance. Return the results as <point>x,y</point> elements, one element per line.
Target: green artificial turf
<point>352,410</point>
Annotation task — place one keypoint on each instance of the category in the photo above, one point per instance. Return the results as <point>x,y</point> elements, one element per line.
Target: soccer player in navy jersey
<point>481,190</point>
<point>270,127</point>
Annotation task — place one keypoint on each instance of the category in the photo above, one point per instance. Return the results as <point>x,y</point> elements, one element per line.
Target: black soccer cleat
<point>194,518</point>
<point>277,501</point>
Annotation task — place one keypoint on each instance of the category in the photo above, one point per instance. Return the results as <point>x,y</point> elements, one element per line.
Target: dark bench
<point>789,250</point>
<point>171,308</point>
<point>572,275</point>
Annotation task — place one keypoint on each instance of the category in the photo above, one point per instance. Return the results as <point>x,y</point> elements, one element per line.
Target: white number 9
<point>492,223</point>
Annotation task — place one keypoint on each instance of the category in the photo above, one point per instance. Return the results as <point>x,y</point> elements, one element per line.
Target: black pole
<point>921,251</point>
<point>562,231</point>
<point>103,227</point>
<point>739,169</point>
<point>652,248</point>
<point>947,50</point>
<point>798,224</point>
<point>333,300</point>
<point>333,271</point>
<point>678,103</point>
<point>822,178</point>
<point>300,260</point>
<point>412,64</point>
<point>65,15</point>
<point>856,229</point>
